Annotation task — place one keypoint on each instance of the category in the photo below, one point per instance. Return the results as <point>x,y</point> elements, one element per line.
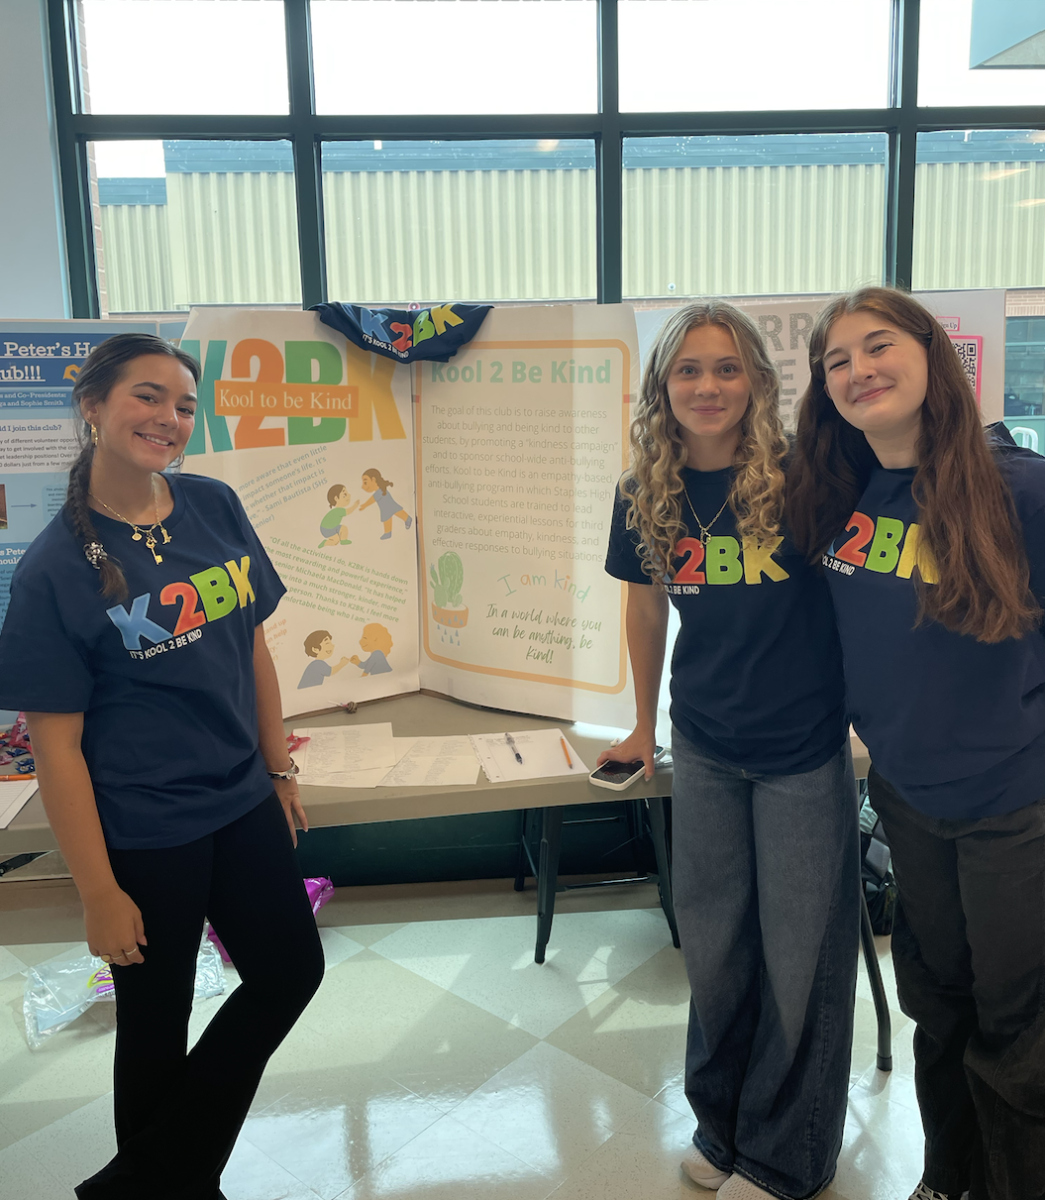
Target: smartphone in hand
<point>617,776</point>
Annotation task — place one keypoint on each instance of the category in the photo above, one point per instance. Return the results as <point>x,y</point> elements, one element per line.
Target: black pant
<point>969,952</point>
<point>178,1113</point>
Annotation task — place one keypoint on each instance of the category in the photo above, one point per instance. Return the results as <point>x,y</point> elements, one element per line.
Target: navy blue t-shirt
<point>956,726</point>
<point>756,675</point>
<point>165,680</point>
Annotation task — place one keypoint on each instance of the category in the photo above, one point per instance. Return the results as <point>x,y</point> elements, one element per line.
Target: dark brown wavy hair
<point>967,521</point>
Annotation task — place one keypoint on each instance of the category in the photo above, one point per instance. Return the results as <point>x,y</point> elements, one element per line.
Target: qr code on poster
<point>970,351</point>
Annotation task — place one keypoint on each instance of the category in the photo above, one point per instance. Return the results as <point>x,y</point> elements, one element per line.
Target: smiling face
<point>369,483</point>
<point>147,418</point>
<point>876,375</point>
<point>326,648</point>
<point>708,389</point>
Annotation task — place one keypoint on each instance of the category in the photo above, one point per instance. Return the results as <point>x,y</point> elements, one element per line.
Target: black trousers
<point>969,952</point>
<point>179,1112</point>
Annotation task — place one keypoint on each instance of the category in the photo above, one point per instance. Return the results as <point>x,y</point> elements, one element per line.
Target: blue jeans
<point>766,879</point>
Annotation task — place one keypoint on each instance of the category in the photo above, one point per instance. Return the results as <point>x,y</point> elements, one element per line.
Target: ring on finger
<point>106,958</point>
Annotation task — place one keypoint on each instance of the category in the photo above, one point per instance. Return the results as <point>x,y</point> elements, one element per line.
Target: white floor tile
<point>448,1162</point>
<point>337,947</point>
<point>77,1145</point>
<point>23,1176</point>
<point>549,1109</point>
<point>490,962</point>
<point>334,1128</point>
<point>251,1175</point>
<point>10,964</point>
<point>639,1162</point>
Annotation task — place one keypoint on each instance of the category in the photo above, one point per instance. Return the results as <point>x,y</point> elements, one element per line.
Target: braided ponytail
<point>102,369</point>
<point>114,585</point>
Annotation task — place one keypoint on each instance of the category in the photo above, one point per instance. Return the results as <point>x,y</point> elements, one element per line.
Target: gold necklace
<point>140,531</point>
<point>705,530</point>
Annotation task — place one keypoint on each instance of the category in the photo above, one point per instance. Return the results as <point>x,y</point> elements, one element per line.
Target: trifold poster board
<point>442,525</point>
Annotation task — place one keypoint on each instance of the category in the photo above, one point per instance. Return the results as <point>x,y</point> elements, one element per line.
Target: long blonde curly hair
<point>652,486</point>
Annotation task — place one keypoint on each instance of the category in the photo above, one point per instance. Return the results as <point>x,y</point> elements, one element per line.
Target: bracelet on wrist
<point>288,774</point>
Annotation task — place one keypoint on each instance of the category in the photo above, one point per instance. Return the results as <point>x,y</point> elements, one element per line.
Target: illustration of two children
<point>319,646</point>
<point>333,527</point>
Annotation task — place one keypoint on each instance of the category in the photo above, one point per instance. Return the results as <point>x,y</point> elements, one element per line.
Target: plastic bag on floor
<point>59,990</point>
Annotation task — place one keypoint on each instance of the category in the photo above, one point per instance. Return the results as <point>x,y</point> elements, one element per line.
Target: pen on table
<point>514,748</point>
<point>15,778</point>
<point>569,761</point>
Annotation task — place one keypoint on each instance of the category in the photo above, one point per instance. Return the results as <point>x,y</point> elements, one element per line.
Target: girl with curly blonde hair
<point>766,871</point>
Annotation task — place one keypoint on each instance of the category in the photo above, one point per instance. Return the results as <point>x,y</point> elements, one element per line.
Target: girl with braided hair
<point>765,847</point>
<point>156,726</point>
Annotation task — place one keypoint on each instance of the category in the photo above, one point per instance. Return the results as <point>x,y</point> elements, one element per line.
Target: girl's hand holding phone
<point>638,745</point>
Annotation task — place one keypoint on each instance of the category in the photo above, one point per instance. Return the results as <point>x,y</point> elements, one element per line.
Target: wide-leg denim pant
<point>766,879</point>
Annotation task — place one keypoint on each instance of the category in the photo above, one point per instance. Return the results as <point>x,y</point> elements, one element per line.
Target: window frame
<point>902,120</point>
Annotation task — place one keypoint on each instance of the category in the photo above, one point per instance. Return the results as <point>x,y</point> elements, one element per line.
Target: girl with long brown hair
<point>134,641</point>
<point>931,531</point>
<point>765,852</point>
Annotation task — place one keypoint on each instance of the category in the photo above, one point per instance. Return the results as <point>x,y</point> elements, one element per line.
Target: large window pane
<point>752,215</point>
<point>425,221</point>
<point>721,55</point>
<point>457,56</point>
<point>965,44</point>
<point>182,223</point>
<point>979,215</point>
<point>183,56</point>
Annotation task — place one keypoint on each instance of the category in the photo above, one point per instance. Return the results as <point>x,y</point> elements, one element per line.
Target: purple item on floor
<point>319,892</point>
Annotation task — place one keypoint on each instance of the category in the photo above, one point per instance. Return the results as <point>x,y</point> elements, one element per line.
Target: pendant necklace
<point>705,530</point>
<point>140,531</point>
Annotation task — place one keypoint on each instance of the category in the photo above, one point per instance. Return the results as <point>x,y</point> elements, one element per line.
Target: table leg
<point>547,876</point>
<point>520,866</point>
<point>881,1005</point>
<point>659,834</point>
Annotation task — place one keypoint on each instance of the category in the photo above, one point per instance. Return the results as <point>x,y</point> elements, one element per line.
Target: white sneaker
<point>697,1167</point>
<point>924,1192</point>
<point>737,1187</point>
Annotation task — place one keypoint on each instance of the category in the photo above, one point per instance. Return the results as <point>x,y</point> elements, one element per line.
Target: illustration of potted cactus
<point>447,610</point>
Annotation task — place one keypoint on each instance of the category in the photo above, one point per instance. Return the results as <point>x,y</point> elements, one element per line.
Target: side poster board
<point>39,362</point>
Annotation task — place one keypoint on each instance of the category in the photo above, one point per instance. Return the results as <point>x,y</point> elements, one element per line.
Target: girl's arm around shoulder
<point>113,922</point>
